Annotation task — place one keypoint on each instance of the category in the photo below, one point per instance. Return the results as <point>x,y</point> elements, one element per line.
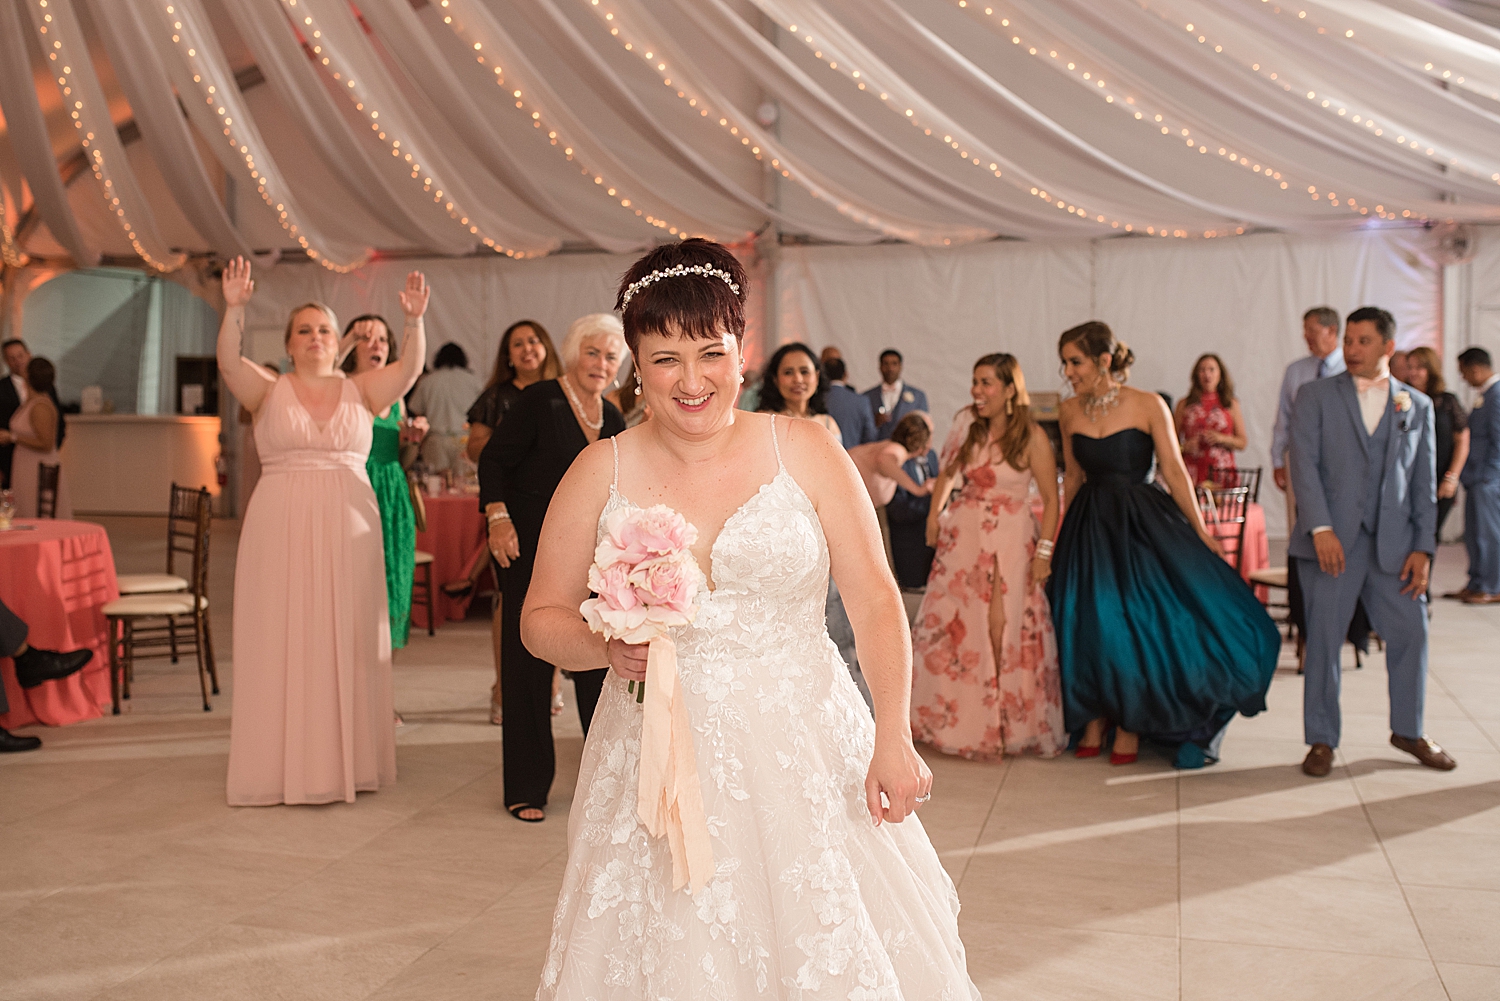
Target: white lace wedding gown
<point>809,899</point>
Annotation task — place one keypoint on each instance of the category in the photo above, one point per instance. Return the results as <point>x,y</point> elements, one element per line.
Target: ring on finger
<point>924,797</point>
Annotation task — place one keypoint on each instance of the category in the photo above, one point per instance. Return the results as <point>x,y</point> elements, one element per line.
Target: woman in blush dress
<point>33,430</point>
<point>1210,424</point>
<point>879,462</point>
<point>985,681</point>
<point>1156,633</point>
<point>313,715</point>
<point>823,884</point>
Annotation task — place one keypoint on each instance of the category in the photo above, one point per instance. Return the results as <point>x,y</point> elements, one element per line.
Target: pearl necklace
<point>591,425</point>
<point>1095,407</point>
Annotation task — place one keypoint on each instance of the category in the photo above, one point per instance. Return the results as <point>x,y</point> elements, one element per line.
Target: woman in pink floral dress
<point>985,679</point>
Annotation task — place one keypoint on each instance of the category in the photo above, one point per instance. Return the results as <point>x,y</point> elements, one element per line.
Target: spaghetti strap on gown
<point>314,720</point>
<point>808,898</point>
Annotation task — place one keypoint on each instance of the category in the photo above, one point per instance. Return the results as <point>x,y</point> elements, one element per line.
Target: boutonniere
<point>1403,402</point>
<point>907,397</point>
<point>1479,401</point>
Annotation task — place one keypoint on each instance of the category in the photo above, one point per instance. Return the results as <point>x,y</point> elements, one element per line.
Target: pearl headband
<point>678,271</point>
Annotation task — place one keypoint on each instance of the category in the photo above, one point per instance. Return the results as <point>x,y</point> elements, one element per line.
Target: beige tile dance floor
<point>124,876</point>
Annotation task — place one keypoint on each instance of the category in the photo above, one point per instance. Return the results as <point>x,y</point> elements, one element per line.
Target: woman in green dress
<point>368,345</point>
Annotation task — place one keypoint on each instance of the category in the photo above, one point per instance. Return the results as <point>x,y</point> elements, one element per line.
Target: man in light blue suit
<point>893,399</point>
<point>1481,480</point>
<point>1363,471</point>
<point>849,409</point>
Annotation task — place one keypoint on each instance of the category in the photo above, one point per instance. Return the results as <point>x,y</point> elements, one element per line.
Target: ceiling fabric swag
<point>142,74</point>
<point>27,130</point>
<point>194,61</point>
<point>67,55</point>
<point>429,169</point>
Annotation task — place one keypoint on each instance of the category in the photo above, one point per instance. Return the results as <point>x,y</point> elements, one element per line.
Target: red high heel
<point>1087,752</point>
<point>1123,759</point>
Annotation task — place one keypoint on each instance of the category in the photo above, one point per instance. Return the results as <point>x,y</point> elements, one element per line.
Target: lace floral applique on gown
<point>809,899</point>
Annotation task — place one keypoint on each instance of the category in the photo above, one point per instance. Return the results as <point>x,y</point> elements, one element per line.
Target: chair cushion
<point>154,604</point>
<point>150,583</point>
<point>1270,577</point>
<point>423,558</point>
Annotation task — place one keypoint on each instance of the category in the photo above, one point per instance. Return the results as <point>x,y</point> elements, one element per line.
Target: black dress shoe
<point>36,666</point>
<point>9,742</point>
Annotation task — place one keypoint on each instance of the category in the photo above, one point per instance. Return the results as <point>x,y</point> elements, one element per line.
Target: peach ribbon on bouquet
<point>645,579</point>
<point>669,800</point>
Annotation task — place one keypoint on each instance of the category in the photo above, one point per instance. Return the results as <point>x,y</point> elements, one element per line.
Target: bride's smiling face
<point>690,385</point>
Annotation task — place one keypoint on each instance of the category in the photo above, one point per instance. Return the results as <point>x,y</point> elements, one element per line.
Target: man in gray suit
<point>849,409</point>
<point>1363,470</point>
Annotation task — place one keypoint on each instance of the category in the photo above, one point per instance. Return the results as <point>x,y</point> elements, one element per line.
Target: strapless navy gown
<point>1154,631</point>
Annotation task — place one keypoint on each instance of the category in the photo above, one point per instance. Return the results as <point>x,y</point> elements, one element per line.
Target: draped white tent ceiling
<point>156,130</point>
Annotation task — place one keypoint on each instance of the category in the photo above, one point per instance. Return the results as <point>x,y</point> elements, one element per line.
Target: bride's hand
<point>899,772</point>
<point>628,659</point>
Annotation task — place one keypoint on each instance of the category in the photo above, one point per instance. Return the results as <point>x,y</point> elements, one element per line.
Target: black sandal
<point>515,811</point>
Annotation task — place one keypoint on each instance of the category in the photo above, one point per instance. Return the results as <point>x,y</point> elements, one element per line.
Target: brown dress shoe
<point>1475,598</point>
<point>1425,750</point>
<point>1319,761</point>
<point>1458,595</point>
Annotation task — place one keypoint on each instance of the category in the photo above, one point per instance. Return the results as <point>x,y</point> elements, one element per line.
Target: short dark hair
<point>1325,316</point>
<point>450,355</point>
<point>1474,356</point>
<point>834,370</point>
<point>1384,322</point>
<point>912,432</point>
<point>771,400</point>
<point>41,375</point>
<point>13,342</point>
<point>694,306</point>
<point>391,351</point>
<point>892,351</point>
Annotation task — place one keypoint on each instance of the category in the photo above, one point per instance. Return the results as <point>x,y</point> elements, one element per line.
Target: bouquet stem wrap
<point>669,799</point>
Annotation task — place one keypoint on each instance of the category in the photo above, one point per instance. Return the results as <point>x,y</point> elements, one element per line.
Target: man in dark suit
<point>893,399</point>
<point>33,667</point>
<point>907,516</point>
<point>1481,480</point>
<point>849,409</point>
<point>1362,461</point>
<point>13,393</point>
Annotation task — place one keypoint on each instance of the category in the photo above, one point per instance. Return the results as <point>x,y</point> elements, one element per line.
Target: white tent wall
<point>1242,299</point>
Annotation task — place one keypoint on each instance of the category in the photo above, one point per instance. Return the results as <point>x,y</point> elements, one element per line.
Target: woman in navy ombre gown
<point>1156,634</point>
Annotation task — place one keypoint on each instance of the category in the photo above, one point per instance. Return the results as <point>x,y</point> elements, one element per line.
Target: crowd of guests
<point>1070,598</point>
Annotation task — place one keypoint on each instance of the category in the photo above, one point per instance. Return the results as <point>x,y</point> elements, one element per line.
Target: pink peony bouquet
<point>645,577</point>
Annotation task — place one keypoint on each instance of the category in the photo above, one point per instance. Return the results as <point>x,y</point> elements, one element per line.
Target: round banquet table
<point>1257,547</point>
<point>57,576</point>
<point>455,537</point>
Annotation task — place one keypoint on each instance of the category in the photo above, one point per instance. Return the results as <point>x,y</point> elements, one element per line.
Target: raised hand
<point>414,297</point>
<point>237,283</point>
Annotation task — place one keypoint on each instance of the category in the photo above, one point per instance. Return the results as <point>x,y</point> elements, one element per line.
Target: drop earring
<point>638,384</point>
<point>1009,407</point>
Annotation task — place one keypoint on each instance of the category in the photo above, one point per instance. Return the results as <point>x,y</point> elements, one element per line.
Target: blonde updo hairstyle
<point>333,320</point>
<point>1096,340</point>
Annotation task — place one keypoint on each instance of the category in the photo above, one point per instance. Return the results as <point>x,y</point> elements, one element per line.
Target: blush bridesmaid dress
<point>314,720</point>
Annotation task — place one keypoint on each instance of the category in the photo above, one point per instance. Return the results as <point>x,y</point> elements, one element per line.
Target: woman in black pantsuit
<point>519,470</point>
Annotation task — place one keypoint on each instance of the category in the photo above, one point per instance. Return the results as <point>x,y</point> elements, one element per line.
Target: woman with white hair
<point>519,470</point>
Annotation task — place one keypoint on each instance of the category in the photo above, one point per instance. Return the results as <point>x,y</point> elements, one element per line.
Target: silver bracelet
<point>497,516</point>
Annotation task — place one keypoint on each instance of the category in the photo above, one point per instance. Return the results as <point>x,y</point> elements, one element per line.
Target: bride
<point>824,884</point>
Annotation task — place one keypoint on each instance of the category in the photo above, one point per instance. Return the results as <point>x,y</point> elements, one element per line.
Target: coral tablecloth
<point>1257,546</point>
<point>455,537</point>
<point>58,576</point>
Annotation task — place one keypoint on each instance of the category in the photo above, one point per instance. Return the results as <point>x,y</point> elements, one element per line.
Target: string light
<point>1161,123</point>
<point>471,32</point>
<point>97,128</point>
<point>10,251</point>
<point>402,148</point>
<point>866,80</point>
<point>220,95</point>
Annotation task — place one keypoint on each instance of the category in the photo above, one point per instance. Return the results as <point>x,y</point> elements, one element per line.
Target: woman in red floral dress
<point>1210,425</point>
<point>985,679</point>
